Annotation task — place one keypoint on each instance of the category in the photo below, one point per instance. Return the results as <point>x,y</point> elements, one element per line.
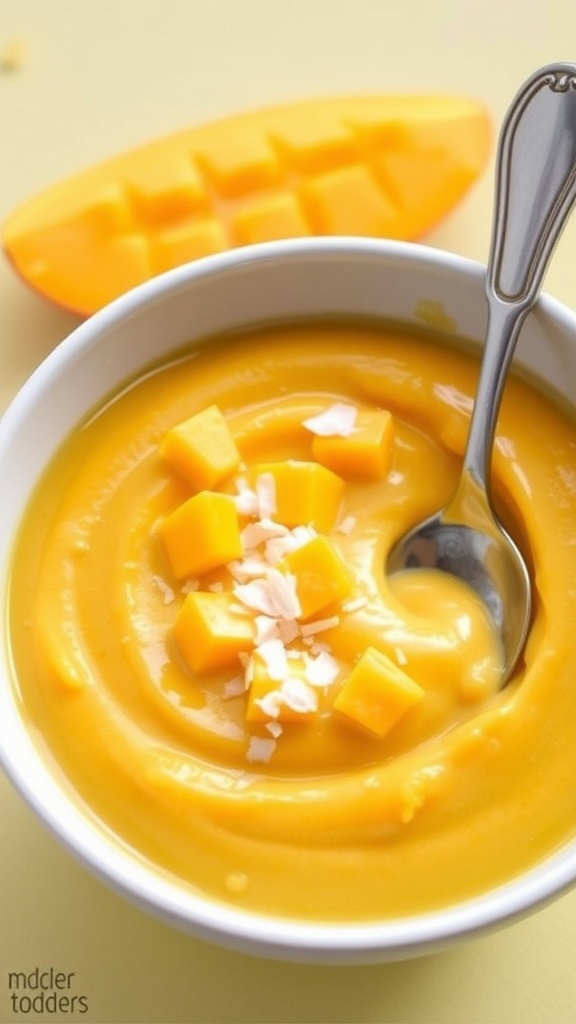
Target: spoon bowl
<point>476,548</point>
<point>535,193</point>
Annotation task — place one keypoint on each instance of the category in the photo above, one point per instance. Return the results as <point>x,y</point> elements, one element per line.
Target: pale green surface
<point>97,77</point>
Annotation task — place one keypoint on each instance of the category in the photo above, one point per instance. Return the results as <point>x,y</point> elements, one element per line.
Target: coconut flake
<point>346,525</point>
<point>298,696</point>
<point>322,670</point>
<point>338,420</point>
<point>234,687</point>
<point>309,629</point>
<point>316,647</point>
<point>270,704</point>
<point>266,629</point>
<point>262,530</point>
<point>260,749</point>
<point>255,595</point>
<point>164,588</point>
<point>247,661</point>
<point>395,477</point>
<point>400,656</point>
<point>266,493</point>
<point>354,604</point>
<point>246,499</point>
<point>273,654</point>
<point>190,586</point>
<point>288,630</point>
<point>247,569</point>
<point>274,728</point>
<point>282,592</point>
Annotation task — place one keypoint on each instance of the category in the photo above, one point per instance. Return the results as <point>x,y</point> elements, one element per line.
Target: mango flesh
<point>382,166</point>
<point>471,786</point>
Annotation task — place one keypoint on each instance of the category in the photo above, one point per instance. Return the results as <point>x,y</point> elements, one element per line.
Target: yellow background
<point>96,77</point>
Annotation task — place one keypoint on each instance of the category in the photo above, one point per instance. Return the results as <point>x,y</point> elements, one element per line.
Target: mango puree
<point>473,785</point>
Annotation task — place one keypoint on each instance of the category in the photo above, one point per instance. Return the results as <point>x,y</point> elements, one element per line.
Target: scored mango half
<point>379,166</point>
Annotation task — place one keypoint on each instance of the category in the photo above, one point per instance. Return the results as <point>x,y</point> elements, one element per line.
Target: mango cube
<point>201,534</point>
<point>322,579</point>
<point>306,493</point>
<point>202,449</point>
<point>290,699</point>
<point>210,633</point>
<point>377,693</point>
<point>365,453</point>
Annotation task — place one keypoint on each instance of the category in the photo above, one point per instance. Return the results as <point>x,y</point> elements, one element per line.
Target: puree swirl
<point>472,785</point>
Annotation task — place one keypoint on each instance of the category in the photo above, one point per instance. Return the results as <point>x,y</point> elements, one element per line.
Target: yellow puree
<point>473,785</point>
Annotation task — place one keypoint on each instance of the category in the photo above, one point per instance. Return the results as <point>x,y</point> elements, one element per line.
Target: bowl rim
<point>272,936</point>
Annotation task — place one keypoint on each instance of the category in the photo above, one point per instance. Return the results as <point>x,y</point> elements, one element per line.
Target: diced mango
<point>306,493</point>
<point>201,534</point>
<point>365,453</point>
<point>291,699</point>
<point>322,579</point>
<point>202,449</point>
<point>210,632</point>
<point>377,693</point>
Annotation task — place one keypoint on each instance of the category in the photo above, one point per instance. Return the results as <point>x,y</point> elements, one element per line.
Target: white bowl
<point>243,287</point>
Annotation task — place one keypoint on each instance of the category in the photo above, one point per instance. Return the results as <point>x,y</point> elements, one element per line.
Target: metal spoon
<point>535,193</point>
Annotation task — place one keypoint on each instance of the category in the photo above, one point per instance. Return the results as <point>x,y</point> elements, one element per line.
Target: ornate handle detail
<point>536,182</point>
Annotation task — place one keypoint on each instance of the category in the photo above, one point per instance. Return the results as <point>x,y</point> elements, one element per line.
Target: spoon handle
<point>535,193</point>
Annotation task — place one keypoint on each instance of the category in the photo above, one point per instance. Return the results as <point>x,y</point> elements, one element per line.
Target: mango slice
<point>366,453</point>
<point>322,579</point>
<point>377,693</point>
<point>382,166</point>
<point>202,449</point>
<point>305,493</point>
<point>289,698</point>
<point>201,534</point>
<point>211,633</point>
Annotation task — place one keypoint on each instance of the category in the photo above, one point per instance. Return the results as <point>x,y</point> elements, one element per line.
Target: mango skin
<point>380,166</point>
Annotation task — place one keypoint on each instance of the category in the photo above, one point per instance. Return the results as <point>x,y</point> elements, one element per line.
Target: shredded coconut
<point>346,525</point>
<point>255,595</point>
<point>164,588</point>
<point>266,493</point>
<point>247,569</point>
<point>338,420</point>
<point>282,591</point>
<point>260,749</point>
<point>288,630</point>
<point>322,670</point>
<point>400,656</point>
<point>270,704</point>
<point>298,696</point>
<point>246,499</point>
<point>395,477</point>
<point>274,728</point>
<point>266,629</point>
<point>273,654</point>
<point>262,530</point>
<point>234,687</point>
<point>309,629</point>
<point>354,604</point>
<point>190,586</point>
